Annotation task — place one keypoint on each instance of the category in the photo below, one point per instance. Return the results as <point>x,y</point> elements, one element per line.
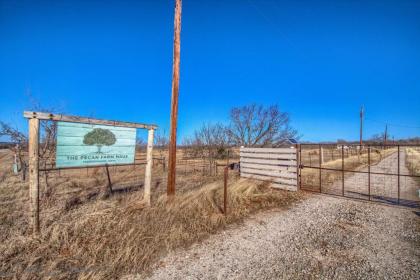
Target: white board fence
<point>276,165</point>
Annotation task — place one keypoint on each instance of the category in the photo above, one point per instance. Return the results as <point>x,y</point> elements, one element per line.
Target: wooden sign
<point>81,144</point>
<point>85,141</point>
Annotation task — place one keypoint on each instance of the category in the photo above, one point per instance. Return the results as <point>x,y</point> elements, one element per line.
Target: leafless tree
<point>48,130</point>
<point>209,142</point>
<point>48,134</point>
<point>19,141</point>
<point>378,138</point>
<point>140,143</point>
<point>256,125</point>
<point>161,142</point>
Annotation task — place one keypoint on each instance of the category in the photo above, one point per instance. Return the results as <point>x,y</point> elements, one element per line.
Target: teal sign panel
<point>80,144</point>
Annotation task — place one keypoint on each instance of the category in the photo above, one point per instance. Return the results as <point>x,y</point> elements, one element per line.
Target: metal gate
<point>382,173</point>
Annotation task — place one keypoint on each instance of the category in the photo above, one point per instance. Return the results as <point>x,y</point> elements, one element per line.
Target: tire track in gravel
<point>319,237</point>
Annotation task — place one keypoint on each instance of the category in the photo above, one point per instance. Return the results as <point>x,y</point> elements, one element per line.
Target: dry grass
<point>105,237</point>
<point>413,160</point>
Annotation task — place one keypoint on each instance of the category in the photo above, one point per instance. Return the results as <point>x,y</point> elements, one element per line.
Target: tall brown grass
<point>106,238</point>
<point>413,160</point>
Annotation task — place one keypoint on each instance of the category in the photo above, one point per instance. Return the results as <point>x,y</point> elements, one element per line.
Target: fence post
<point>297,166</point>
<point>398,174</point>
<point>227,159</point>
<point>164,164</point>
<point>149,163</point>
<point>34,172</point>
<point>369,171</point>
<point>320,170</point>
<point>342,168</point>
<point>109,178</point>
<point>226,174</point>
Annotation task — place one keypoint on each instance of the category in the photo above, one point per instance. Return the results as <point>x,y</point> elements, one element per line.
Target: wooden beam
<point>149,163</point>
<point>34,173</point>
<point>75,119</point>
<point>270,179</point>
<point>268,156</point>
<point>269,150</point>
<point>269,161</point>
<point>278,168</point>
<point>276,174</point>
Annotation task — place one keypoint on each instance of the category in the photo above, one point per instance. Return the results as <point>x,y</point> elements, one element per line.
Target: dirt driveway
<point>321,237</point>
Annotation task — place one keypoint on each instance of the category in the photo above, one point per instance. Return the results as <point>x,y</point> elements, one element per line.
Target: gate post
<point>398,174</point>
<point>149,162</point>
<point>320,170</point>
<point>369,171</point>
<point>34,172</point>
<point>298,155</point>
<point>342,168</point>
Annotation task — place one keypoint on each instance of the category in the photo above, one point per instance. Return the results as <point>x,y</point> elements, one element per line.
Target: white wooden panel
<point>290,182</point>
<point>272,173</point>
<point>269,167</point>
<point>269,150</point>
<point>276,165</point>
<point>269,161</point>
<point>268,156</point>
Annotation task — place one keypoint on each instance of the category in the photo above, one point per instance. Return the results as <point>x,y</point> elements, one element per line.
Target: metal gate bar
<point>390,198</point>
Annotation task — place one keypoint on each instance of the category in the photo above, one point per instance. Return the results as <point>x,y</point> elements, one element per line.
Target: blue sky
<point>319,60</point>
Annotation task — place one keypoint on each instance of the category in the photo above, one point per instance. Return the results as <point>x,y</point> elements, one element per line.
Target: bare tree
<point>209,142</point>
<point>48,134</point>
<point>48,130</point>
<point>379,138</point>
<point>20,141</point>
<point>140,143</point>
<point>256,125</point>
<point>161,142</point>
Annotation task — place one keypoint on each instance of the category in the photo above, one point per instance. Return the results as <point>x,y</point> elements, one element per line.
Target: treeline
<point>249,125</point>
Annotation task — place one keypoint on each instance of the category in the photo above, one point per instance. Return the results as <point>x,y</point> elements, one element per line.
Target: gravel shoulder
<point>320,237</point>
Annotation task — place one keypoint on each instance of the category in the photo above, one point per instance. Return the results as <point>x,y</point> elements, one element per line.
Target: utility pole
<point>385,134</point>
<point>174,99</point>
<point>361,126</point>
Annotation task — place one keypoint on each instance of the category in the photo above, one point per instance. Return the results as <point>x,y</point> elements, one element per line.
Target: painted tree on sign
<point>99,137</point>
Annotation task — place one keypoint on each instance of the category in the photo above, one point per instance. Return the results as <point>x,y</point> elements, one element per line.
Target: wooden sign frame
<point>34,135</point>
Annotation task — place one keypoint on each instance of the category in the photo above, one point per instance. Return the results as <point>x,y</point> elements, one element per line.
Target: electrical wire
<point>392,124</point>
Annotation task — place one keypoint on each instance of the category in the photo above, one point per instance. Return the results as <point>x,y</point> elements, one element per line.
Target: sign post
<point>149,164</point>
<point>34,173</point>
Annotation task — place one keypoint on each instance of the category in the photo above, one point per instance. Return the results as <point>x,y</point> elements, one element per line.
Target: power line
<point>392,124</point>
<point>270,22</point>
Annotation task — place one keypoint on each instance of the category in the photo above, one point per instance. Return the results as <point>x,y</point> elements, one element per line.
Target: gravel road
<point>320,237</point>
